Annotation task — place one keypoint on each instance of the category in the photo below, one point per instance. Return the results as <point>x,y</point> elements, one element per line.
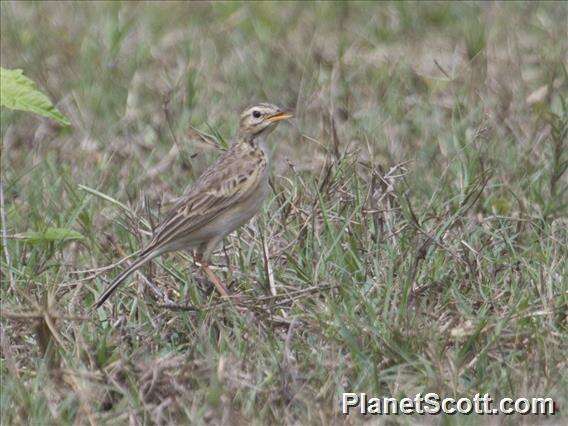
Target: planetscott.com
<point>432,403</point>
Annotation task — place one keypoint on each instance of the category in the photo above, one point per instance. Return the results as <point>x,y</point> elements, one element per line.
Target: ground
<point>414,240</point>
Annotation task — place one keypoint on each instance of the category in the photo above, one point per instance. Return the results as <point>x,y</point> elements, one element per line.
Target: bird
<point>224,197</point>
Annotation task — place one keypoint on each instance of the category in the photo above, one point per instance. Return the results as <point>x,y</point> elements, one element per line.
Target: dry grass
<point>415,239</point>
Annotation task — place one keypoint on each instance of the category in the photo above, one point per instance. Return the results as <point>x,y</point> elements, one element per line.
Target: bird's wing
<point>231,179</point>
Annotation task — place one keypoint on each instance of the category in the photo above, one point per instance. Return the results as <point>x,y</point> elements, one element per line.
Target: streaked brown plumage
<point>227,195</point>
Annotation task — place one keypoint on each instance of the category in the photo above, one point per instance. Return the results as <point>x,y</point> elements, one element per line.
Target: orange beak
<point>283,115</point>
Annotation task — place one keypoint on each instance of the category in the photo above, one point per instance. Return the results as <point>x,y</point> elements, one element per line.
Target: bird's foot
<point>222,289</point>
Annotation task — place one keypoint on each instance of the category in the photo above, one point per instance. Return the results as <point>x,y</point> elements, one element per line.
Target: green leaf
<point>49,235</point>
<point>19,92</point>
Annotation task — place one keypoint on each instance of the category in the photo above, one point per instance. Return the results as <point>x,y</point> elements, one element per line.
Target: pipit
<point>226,196</point>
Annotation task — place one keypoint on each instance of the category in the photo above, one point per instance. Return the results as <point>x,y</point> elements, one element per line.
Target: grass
<point>415,240</point>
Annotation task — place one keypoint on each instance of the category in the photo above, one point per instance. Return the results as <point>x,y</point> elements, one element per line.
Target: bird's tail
<point>145,257</point>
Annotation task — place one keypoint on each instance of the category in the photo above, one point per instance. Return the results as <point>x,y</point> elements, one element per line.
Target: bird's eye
<point>256,113</point>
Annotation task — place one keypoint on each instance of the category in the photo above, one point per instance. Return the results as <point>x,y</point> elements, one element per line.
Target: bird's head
<point>260,120</point>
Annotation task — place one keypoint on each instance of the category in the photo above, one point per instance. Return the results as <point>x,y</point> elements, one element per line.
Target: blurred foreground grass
<point>415,240</point>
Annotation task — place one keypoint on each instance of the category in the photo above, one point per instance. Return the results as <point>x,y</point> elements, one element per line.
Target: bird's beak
<point>282,115</point>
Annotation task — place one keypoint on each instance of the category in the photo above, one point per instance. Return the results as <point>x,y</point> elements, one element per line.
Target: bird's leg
<point>216,281</point>
<point>223,291</point>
